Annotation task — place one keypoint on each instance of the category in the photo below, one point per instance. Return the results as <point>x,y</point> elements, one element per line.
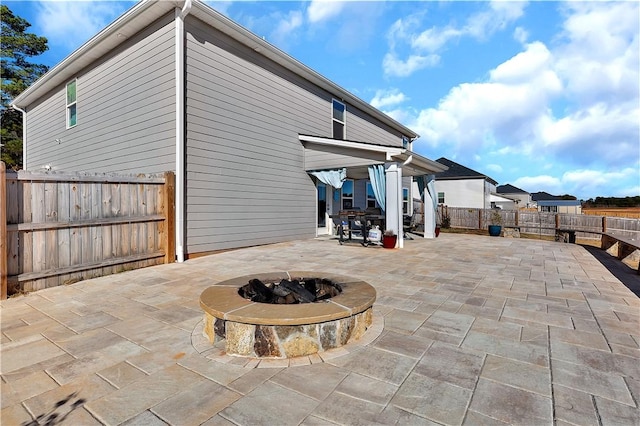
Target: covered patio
<point>467,330</point>
<point>390,169</point>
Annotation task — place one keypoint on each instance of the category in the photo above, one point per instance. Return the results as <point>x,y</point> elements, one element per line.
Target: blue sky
<point>541,95</point>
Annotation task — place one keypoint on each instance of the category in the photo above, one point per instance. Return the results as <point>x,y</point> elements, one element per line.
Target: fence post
<point>480,218</point>
<point>517,218</point>
<point>4,262</point>
<point>557,221</point>
<point>168,202</point>
<point>604,224</point>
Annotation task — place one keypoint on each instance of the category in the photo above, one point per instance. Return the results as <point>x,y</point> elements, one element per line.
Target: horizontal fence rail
<point>59,228</point>
<point>541,223</point>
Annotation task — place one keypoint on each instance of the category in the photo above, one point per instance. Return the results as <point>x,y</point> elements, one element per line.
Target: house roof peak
<point>458,171</point>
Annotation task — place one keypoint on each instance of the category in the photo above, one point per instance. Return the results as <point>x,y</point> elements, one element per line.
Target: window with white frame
<point>549,209</point>
<point>72,110</point>
<point>347,194</point>
<point>440,197</point>
<point>371,197</point>
<point>405,200</point>
<point>405,142</point>
<point>338,119</point>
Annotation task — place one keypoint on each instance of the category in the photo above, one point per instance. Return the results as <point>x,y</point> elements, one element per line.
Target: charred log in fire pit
<point>297,290</point>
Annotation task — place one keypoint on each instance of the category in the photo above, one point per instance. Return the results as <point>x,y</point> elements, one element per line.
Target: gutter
<point>180,16</point>
<point>24,134</point>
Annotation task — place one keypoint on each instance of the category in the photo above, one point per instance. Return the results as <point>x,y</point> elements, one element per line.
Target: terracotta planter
<point>389,241</point>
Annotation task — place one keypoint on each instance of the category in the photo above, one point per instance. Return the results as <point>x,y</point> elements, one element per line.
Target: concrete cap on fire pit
<point>222,301</point>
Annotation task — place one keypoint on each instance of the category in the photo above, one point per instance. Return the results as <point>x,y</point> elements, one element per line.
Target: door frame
<point>327,229</point>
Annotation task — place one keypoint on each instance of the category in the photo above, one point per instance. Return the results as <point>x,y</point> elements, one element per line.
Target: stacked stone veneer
<point>285,331</point>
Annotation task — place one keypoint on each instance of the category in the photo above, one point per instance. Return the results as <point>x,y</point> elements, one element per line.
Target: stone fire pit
<point>262,330</point>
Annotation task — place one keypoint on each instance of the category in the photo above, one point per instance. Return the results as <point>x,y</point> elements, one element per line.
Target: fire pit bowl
<point>261,330</point>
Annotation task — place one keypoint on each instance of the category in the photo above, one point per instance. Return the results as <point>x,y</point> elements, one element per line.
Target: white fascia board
<point>421,164</point>
<point>390,151</point>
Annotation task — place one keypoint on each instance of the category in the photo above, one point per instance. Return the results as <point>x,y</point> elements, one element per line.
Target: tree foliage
<point>613,202</point>
<point>16,47</point>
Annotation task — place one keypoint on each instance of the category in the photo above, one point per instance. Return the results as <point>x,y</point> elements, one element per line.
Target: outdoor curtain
<point>331,177</point>
<point>422,184</point>
<point>378,183</point>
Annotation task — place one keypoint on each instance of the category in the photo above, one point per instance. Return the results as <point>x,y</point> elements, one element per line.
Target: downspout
<point>180,129</point>
<point>24,135</point>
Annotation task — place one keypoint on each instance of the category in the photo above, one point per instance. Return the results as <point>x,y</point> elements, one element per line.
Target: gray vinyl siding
<point>364,128</point>
<point>246,183</point>
<point>125,111</point>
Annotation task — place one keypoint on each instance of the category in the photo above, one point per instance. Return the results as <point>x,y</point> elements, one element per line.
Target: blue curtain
<point>331,177</point>
<point>378,183</point>
<point>422,183</point>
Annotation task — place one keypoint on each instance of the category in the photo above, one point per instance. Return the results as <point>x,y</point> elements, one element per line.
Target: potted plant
<point>446,221</point>
<point>495,227</point>
<point>389,239</point>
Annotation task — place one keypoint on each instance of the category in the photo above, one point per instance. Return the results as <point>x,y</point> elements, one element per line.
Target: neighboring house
<point>556,204</point>
<point>175,85</point>
<point>460,186</point>
<point>521,198</point>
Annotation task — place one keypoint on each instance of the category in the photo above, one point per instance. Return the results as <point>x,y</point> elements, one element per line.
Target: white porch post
<point>393,211</point>
<point>429,213</point>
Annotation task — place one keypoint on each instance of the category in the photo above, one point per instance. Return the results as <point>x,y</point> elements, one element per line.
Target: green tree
<point>16,46</point>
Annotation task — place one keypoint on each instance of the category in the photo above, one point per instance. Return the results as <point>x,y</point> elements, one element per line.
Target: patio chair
<point>410,223</point>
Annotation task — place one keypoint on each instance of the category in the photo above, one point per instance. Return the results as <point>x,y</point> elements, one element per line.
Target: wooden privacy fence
<point>533,222</point>
<point>59,228</point>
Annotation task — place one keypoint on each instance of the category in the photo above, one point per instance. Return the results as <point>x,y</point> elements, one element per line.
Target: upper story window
<point>406,142</point>
<point>338,119</point>
<point>72,118</point>
<point>347,194</point>
<point>440,197</point>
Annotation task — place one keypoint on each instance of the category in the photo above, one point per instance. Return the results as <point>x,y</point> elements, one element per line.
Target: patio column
<point>393,211</point>
<point>429,211</point>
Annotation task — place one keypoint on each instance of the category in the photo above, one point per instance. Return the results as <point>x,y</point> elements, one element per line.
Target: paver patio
<point>467,330</point>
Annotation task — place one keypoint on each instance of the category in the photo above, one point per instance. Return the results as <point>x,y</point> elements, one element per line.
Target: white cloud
<point>545,183</point>
<point>433,39</point>
<point>509,106</point>
<point>497,168</point>
<point>497,17</point>
<point>421,47</point>
<point>285,27</point>
<point>565,103</point>
<point>580,182</point>
<point>394,66</point>
<point>521,35</point>
<point>525,66</point>
<point>385,98</point>
<point>600,56</point>
<point>321,10</point>
<point>73,23</point>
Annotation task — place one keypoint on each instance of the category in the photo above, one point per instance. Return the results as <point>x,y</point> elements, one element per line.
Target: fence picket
<point>542,223</point>
<point>62,228</point>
